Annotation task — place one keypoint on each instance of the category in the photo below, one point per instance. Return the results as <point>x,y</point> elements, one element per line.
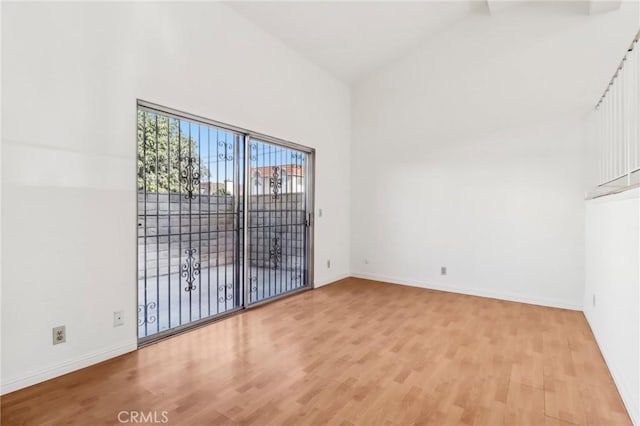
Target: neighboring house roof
<point>289,169</point>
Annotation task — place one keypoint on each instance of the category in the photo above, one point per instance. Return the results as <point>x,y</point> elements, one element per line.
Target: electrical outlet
<point>594,300</point>
<point>366,261</point>
<point>328,264</point>
<point>59,334</point>
<point>443,270</point>
<point>118,318</point>
<point>319,212</point>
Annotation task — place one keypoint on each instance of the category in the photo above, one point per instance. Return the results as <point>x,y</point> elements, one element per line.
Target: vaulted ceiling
<point>351,39</point>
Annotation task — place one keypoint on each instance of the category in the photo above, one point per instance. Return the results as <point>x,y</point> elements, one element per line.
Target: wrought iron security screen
<point>277,220</point>
<point>190,180</point>
<point>193,219</point>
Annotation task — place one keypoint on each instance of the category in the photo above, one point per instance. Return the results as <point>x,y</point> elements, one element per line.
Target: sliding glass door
<point>193,265</point>
<point>278,220</point>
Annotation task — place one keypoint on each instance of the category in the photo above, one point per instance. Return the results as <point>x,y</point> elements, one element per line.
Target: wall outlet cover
<point>59,334</point>
<point>118,318</point>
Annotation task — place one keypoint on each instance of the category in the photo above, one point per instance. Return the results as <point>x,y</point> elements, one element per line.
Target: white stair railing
<point>615,129</point>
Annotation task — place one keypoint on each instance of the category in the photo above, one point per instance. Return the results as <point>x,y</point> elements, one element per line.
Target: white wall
<point>71,76</point>
<point>503,212</point>
<point>469,154</point>
<point>613,276</point>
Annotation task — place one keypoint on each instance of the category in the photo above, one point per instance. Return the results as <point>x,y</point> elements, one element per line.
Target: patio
<point>214,294</point>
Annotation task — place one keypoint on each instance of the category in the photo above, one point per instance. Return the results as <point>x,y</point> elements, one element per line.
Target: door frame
<point>310,199</point>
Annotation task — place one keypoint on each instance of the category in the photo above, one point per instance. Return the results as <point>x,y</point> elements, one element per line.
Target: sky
<point>216,148</point>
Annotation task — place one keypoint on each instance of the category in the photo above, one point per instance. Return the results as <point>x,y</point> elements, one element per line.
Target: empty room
<point>320,212</point>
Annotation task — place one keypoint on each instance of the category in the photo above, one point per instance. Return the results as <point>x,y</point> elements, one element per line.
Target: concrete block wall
<point>210,225</point>
<point>207,224</point>
<point>281,218</point>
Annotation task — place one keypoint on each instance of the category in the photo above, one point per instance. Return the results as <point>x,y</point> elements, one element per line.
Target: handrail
<point>620,66</point>
<point>613,191</point>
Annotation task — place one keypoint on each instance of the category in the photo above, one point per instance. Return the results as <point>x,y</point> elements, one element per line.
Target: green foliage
<point>163,163</point>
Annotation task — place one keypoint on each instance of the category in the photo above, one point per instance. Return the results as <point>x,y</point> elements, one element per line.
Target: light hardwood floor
<point>353,353</point>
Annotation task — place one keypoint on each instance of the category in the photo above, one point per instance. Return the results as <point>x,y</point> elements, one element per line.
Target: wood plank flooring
<point>353,353</point>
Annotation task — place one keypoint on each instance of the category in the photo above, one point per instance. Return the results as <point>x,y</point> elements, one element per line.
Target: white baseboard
<point>474,292</point>
<point>111,352</point>
<point>331,281</point>
<point>632,409</point>
<point>66,367</point>
<point>77,363</point>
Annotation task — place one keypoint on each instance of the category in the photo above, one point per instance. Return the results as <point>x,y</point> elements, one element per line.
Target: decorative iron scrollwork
<point>190,269</point>
<point>275,252</point>
<point>143,313</point>
<point>191,178</point>
<point>253,286</point>
<point>227,151</point>
<point>229,290</point>
<point>297,156</point>
<point>253,152</point>
<point>275,182</point>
